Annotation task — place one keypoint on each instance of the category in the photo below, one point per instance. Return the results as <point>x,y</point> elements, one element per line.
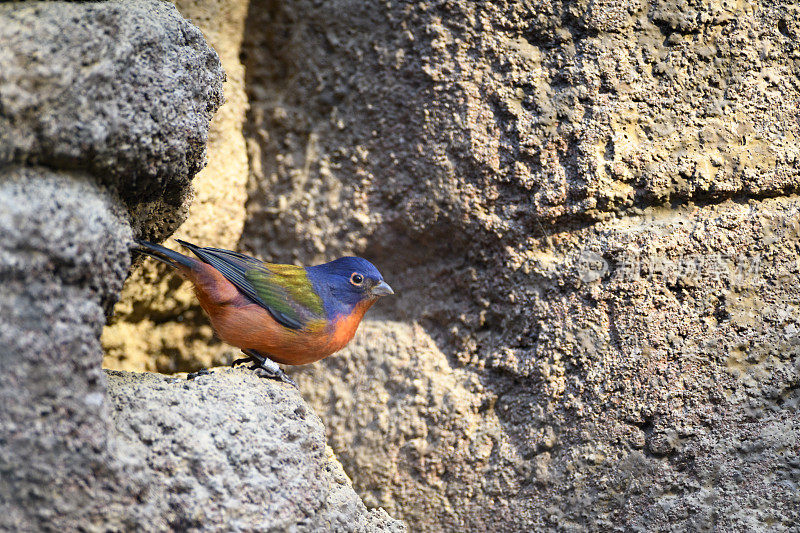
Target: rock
<point>422,432</point>
<point>123,90</point>
<point>232,452</point>
<point>157,325</point>
<point>104,113</point>
<point>588,213</point>
<point>63,258</point>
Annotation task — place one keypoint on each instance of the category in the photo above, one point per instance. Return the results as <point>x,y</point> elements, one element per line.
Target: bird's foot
<point>277,373</point>
<point>243,360</point>
<point>265,367</point>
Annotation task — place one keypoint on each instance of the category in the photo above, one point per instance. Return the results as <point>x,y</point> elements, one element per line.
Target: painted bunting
<point>277,313</point>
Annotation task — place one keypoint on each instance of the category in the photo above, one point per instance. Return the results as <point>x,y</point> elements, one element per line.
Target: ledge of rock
<point>231,448</point>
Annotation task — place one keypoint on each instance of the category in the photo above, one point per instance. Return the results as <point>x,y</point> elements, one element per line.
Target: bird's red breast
<point>345,327</point>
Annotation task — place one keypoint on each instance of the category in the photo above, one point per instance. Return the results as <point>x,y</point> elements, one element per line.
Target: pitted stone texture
<point>62,228</point>
<point>425,446</point>
<point>123,90</point>
<point>63,256</point>
<point>477,121</point>
<point>448,140</point>
<point>661,392</point>
<point>234,452</point>
<point>572,200</point>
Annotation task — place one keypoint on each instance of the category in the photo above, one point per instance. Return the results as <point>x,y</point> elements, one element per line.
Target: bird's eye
<point>356,278</point>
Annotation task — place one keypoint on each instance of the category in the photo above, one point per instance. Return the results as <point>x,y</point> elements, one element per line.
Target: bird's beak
<point>381,289</point>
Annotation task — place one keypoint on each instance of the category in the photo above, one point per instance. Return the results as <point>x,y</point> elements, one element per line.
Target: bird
<point>277,313</point>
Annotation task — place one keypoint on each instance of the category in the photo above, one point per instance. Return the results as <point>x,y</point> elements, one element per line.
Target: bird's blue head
<point>346,282</point>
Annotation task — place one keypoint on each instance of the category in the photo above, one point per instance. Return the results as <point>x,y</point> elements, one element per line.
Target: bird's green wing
<point>286,290</point>
<point>283,290</point>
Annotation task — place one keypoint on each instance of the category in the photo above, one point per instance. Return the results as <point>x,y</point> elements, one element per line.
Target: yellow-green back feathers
<point>286,290</point>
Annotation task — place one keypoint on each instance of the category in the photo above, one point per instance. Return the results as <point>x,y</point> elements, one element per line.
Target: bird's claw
<point>265,367</point>
<point>278,375</point>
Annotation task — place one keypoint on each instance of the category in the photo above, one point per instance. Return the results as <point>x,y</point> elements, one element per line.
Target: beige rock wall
<point>589,213</point>
<point>157,325</point>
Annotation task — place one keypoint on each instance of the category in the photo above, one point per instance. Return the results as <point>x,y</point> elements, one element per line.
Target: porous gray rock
<point>233,452</point>
<point>121,89</point>
<point>104,109</point>
<point>63,256</point>
<point>588,211</point>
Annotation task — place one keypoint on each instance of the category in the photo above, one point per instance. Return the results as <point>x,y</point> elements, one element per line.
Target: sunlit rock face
<point>588,211</point>
<point>157,324</point>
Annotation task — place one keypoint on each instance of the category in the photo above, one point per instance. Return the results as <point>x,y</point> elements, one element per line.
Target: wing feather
<point>283,290</point>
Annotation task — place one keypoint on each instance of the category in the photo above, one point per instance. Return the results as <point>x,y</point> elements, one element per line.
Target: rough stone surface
<point>123,90</point>
<point>491,117</point>
<point>420,420</point>
<point>233,452</point>
<point>589,213</point>
<point>157,324</point>
<point>63,257</point>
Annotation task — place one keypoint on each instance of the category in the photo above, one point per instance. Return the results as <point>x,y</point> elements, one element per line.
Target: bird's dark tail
<point>165,255</point>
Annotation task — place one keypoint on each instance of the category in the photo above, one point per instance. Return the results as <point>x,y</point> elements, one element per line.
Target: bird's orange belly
<point>252,327</point>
